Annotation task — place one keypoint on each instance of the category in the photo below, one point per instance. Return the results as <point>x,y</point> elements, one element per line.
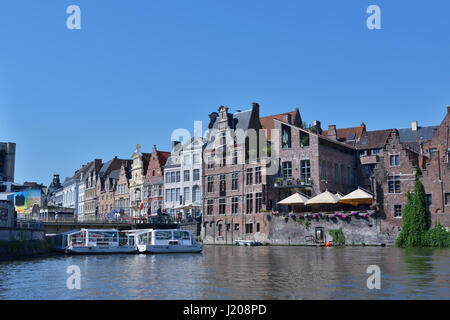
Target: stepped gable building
<point>122,193</point>
<point>436,172</point>
<point>105,186</point>
<point>136,183</point>
<point>182,178</point>
<point>82,188</point>
<point>235,194</point>
<point>310,162</point>
<point>90,193</point>
<point>153,197</point>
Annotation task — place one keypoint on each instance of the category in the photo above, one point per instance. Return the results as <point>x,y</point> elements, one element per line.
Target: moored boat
<point>165,241</point>
<point>247,243</point>
<point>94,241</point>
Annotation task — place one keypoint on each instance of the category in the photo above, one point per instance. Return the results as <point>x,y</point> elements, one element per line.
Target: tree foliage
<point>415,228</point>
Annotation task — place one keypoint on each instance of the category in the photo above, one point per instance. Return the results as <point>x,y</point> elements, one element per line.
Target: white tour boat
<point>95,241</point>
<point>248,243</point>
<point>165,241</point>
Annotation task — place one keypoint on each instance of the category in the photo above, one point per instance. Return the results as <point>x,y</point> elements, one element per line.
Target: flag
<point>141,206</point>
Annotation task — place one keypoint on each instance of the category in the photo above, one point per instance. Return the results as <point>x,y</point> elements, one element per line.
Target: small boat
<point>165,241</point>
<point>248,243</point>
<point>94,241</point>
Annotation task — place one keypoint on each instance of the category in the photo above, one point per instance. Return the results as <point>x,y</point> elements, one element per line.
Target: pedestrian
<point>56,217</point>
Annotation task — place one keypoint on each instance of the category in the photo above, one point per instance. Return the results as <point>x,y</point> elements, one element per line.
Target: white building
<point>183,179</point>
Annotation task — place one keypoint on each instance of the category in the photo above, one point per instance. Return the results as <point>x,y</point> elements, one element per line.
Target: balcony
<point>373,159</point>
<point>283,182</point>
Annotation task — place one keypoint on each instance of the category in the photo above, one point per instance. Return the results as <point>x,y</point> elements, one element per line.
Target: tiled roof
<point>350,134</point>
<point>268,122</point>
<point>422,133</point>
<point>374,139</point>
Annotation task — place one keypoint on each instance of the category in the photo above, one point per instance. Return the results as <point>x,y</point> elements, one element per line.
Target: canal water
<point>230,272</point>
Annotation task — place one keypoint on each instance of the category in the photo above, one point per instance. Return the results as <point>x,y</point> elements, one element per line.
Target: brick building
<point>122,192</point>
<point>106,184</point>
<point>153,196</point>
<point>309,161</point>
<point>436,172</point>
<point>234,178</point>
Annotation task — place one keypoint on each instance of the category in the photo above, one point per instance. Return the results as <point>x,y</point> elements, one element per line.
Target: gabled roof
<point>348,135</point>
<point>374,139</point>
<point>421,134</point>
<point>268,121</point>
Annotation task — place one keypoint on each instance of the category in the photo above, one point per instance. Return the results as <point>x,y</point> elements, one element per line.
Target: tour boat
<point>165,241</point>
<point>248,243</point>
<point>94,241</point>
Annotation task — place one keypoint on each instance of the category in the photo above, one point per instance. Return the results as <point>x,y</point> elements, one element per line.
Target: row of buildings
<point>245,164</point>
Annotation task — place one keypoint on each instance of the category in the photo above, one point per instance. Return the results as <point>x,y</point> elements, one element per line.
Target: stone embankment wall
<point>356,230</point>
<point>23,243</point>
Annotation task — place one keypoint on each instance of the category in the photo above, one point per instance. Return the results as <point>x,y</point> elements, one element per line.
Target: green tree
<point>415,228</point>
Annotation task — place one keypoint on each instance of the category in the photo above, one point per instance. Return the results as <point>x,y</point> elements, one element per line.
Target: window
<point>222,205</point>
<point>211,162</point>
<point>195,193</point>
<point>394,184</point>
<point>249,208</point>
<point>223,138</point>
<point>447,199</point>
<point>186,159</point>
<point>258,177</point>
<point>177,194</point>
<point>196,158</point>
<point>186,195</point>
<point>234,205</point>
<point>210,186</point>
<point>249,228</point>
<point>429,200</point>
<point>349,176</point>
<point>257,227</point>
<point>236,227</point>
<point>397,211</point>
<point>258,201</point>
<point>223,160</point>
<point>342,174</point>
<point>223,185</point>
<point>234,181</point>
<point>305,170</point>
<point>178,176</point>
<point>285,137</point>
<point>249,176</point>
<point>235,157</point>
<point>187,175</point>
<point>432,152</point>
<point>168,177</point>
<point>287,169</point>
<point>209,207</point>
<point>172,176</point>
<point>304,139</point>
<point>394,160</point>
<point>336,173</point>
<point>376,151</point>
<point>196,174</point>
<point>323,170</point>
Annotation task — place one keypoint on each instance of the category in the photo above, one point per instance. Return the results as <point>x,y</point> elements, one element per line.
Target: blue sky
<point>139,69</point>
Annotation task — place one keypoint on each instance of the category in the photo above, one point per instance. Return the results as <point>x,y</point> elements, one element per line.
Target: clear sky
<point>139,69</point>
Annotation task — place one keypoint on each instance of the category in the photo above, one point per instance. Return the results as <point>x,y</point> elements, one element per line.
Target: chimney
<point>414,125</point>
<point>97,164</point>
<point>316,124</point>
<point>255,108</point>
<point>332,132</point>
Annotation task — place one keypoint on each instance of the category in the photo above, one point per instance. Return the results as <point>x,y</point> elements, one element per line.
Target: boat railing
<point>102,241</point>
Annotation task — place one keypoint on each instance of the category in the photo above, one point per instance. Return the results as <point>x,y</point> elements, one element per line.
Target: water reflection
<point>229,272</point>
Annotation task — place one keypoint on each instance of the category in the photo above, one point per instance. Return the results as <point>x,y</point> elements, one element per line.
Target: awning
<point>323,198</point>
<point>295,199</point>
<point>189,206</point>
<point>359,196</point>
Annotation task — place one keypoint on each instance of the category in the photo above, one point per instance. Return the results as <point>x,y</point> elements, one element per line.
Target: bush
<point>307,224</point>
<point>338,237</point>
<point>438,236</point>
